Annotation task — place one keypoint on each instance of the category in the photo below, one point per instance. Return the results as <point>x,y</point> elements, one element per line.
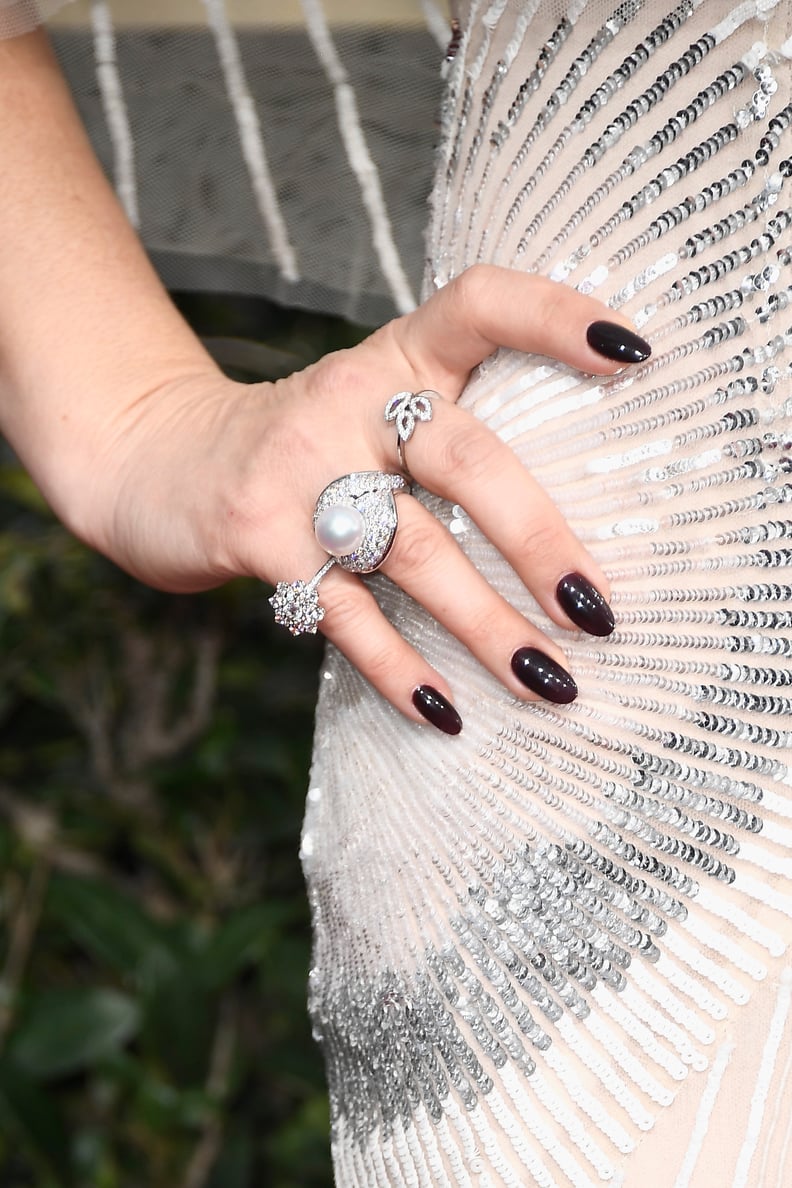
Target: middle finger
<point>464,462</point>
<point>427,564</point>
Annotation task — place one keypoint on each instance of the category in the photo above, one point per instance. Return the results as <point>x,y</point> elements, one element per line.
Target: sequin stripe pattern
<point>533,939</point>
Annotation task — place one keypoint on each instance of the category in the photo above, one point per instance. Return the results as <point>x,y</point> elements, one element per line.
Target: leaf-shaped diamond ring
<point>355,521</point>
<point>406,409</point>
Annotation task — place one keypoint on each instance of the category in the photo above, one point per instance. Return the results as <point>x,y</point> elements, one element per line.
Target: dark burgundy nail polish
<point>617,342</point>
<point>585,605</point>
<point>436,709</point>
<point>544,676</point>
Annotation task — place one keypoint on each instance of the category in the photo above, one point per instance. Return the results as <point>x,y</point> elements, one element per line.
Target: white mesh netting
<point>264,148</point>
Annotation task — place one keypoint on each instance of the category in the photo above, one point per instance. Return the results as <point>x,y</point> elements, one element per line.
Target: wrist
<point>88,453</point>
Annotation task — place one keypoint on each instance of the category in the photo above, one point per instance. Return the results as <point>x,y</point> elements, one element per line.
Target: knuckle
<point>415,548</point>
<point>345,609</point>
<point>482,622</point>
<point>466,450</point>
<point>379,664</point>
<point>470,291</point>
<point>538,538</point>
<point>339,392</point>
<point>335,376</point>
<point>551,305</point>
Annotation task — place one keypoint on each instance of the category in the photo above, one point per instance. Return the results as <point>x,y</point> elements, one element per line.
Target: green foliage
<point>154,934</point>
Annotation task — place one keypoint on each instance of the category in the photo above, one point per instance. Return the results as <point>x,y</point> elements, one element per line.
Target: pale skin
<point>186,479</point>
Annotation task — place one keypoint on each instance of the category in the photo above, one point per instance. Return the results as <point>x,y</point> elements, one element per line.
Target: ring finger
<point>458,458</point>
<point>427,564</point>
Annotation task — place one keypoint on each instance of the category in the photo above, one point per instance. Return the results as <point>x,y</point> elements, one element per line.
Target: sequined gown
<point>554,950</point>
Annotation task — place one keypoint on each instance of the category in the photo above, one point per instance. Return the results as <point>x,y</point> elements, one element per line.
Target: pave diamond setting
<point>372,493</point>
<point>296,604</point>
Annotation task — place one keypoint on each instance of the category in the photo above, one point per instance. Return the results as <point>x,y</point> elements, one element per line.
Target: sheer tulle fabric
<point>266,147</point>
<point>22,16</point>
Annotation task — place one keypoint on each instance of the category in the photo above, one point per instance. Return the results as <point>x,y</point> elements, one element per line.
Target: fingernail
<point>542,675</point>
<point>585,605</point>
<point>436,709</point>
<point>617,342</point>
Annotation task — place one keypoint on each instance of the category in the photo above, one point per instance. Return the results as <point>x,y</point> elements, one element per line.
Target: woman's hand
<point>204,479</point>
<point>186,479</point>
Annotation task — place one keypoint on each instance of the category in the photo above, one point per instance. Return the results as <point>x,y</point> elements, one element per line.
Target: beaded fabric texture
<point>554,950</point>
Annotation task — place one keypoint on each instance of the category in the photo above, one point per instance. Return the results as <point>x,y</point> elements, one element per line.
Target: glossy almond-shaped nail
<point>584,604</point>
<point>437,709</point>
<point>616,342</point>
<point>543,675</point>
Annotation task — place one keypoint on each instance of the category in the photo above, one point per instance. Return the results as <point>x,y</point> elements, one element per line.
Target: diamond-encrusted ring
<point>355,521</point>
<point>406,409</point>
<point>355,518</point>
<point>296,604</point>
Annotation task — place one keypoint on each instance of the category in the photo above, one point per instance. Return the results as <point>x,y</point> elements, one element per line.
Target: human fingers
<point>431,568</point>
<point>427,564</point>
<point>450,334</point>
<point>464,462</point>
<point>351,619</point>
<point>488,307</point>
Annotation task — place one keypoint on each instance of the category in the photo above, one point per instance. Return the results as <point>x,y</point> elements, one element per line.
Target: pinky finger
<point>355,624</point>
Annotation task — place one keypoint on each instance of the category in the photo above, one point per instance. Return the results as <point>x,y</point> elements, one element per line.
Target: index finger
<point>488,307</point>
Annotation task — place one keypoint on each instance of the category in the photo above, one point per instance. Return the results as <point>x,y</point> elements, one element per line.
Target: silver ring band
<point>407,409</point>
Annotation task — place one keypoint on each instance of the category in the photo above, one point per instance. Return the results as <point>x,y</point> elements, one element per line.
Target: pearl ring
<point>355,521</point>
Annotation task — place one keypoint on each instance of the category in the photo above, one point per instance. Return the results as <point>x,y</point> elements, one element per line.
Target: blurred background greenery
<point>154,932</point>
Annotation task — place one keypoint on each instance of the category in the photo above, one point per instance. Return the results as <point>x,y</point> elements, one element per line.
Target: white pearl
<point>339,529</point>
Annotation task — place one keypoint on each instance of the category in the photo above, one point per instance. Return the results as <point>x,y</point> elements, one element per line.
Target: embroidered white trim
<point>250,138</point>
<point>359,157</point>
<point>115,110</point>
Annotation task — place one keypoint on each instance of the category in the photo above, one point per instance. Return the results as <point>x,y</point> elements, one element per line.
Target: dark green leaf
<point>65,1031</point>
<point>35,1119</point>
<point>16,484</point>
<point>243,939</point>
<point>179,1026</point>
<point>234,1165</point>
<point>113,928</point>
